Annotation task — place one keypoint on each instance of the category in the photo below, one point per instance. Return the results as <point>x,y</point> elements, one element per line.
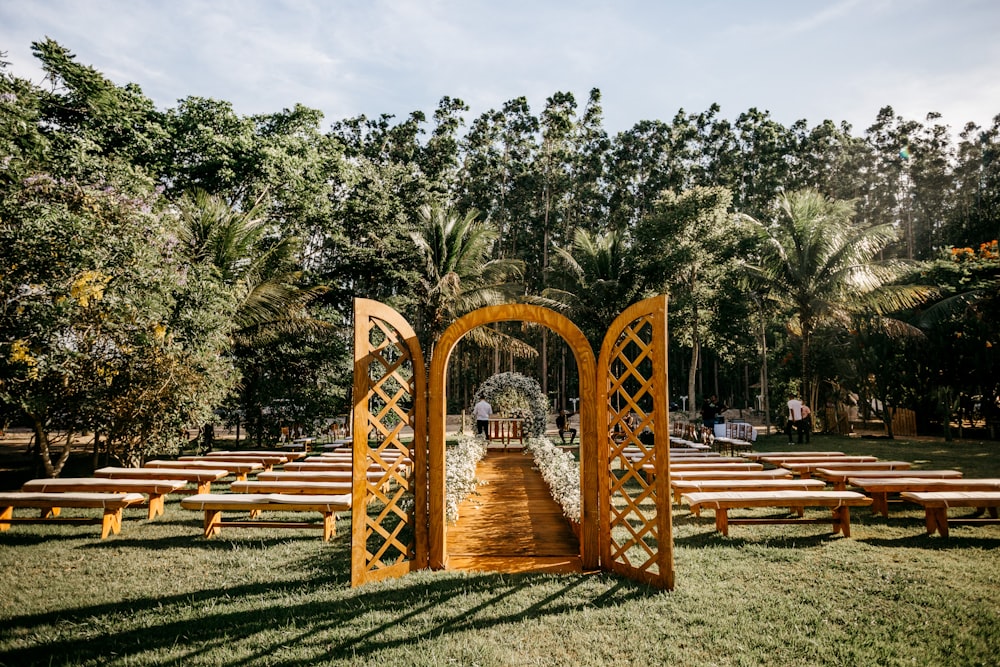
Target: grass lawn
<point>160,594</point>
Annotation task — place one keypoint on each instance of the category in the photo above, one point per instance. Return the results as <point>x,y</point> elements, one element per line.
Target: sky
<point>809,60</point>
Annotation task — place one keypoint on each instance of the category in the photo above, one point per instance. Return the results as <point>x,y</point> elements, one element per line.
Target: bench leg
<point>842,520</point>
<point>111,522</point>
<point>212,519</point>
<point>880,503</point>
<point>204,487</point>
<point>49,512</point>
<point>936,519</point>
<point>722,521</point>
<point>941,520</point>
<point>6,514</point>
<point>329,525</point>
<point>155,505</point>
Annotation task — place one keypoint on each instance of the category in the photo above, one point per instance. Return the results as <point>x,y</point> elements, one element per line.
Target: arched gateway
<point>626,516</point>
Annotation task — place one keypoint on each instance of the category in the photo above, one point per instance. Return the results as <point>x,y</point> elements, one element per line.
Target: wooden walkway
<point>512,524</point>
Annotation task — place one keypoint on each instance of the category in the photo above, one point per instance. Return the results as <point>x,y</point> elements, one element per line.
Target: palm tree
<point>255,262</point>
<point>818,266</point>
<point>594,280</point>
<point>459,276</point>
<point>257,265</point>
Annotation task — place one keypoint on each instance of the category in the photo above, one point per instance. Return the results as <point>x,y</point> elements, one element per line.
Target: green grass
<point>159,594</point>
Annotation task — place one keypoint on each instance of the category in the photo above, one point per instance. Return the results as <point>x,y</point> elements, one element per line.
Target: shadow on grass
<point>935,542</point>
<point>321,630</point>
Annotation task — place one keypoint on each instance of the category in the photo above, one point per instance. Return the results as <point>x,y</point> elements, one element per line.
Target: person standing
<point>794,417</point>
<point>709,410</point>
<point>482,412</point>
<point>806,424</point>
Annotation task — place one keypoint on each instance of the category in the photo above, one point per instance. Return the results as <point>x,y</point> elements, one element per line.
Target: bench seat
<point>723,501</point>
<point>936,504</point>
<point>773,473</point>
<point>839,478</point>
<point>756,456</point>
<point>214,504</point>
<point>317,466</point>
<point>155,489</point>
<point>804,470</point>
<point>51,503</point>
<point>682,486</point>
<point>268,461</point>
<point>879,488</point>
<point>202,478</point>
<point>238,468</point>
<point>300,487</point>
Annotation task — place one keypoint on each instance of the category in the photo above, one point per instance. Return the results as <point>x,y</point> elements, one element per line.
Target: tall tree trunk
<point>46,446</point>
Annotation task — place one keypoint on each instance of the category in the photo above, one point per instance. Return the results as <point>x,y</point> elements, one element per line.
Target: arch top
<point>523,312</point>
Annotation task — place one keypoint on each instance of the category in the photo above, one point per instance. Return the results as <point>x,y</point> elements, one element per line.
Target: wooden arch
<point>437,414</point>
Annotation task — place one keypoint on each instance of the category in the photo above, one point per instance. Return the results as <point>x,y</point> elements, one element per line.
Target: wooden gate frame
<point>437,413</point>
<point>367,567</point>
<point>596,416</point>
<point>658,567</point>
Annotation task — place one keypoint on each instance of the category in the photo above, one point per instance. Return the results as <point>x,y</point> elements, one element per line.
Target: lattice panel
<point>630,427</point>
<point>389,524</point>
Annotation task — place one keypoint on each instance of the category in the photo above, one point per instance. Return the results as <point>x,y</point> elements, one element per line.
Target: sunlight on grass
<point>158,594</point>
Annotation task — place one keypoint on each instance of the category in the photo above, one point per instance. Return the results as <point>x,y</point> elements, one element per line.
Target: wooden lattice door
<point>634,446</point>
<point>389,508</point>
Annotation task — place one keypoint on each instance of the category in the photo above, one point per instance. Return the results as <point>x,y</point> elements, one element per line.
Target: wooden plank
<point>512,523</point>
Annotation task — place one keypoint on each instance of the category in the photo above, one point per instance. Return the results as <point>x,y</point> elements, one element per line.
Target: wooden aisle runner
<point>512,524</point>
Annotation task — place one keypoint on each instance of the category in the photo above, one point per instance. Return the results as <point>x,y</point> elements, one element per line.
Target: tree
<point>458,275</point>
<point>256,264</point>
<point>104,327</point>
<point>593,280</point>
<point>689,242</point>
<point>818,266</point>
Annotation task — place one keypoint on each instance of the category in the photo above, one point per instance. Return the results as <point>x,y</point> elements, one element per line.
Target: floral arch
<point>515,393</point>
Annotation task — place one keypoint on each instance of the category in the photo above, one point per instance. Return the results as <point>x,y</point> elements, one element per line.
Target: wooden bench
<point>936,504</point>
<point>839,478</point>
<point>682,486</point>
<point>293,486</point>
<point>710,470</point>
<point>773,473</point>
<point>781,459</point>
<point>722,502</point>
<point>201,477</point>
<point>805,470</point>
<point>214,504</point>
<point>155,489</point>
<point>756,456</point>
<point>238,468</point>
<point>716,460</point>
<point>288,456</point>
<point>51,503</point>
<point>317,466</point>
<point>879,488</point>
<point>267,461</point>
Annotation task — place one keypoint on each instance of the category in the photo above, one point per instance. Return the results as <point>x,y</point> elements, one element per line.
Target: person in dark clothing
<point>562,423</point>
<point>710,409</point>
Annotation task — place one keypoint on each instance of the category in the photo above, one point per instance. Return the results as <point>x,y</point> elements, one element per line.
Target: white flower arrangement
<point>460,472</point>
<point>561,472</point>
<point>516,394</point>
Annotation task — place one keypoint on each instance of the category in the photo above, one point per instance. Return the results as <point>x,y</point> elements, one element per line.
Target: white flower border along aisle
<point>460,472</point>
<point>561,472</point>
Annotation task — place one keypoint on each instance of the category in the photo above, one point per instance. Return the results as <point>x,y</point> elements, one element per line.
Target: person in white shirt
<point>482,412</point>
<point>794,417</point>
